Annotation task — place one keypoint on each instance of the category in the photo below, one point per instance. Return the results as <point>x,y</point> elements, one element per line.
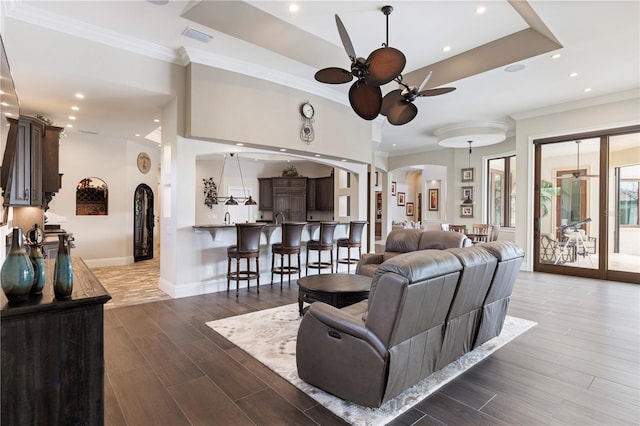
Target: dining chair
<point>458,228</point>
<point>480,233</point>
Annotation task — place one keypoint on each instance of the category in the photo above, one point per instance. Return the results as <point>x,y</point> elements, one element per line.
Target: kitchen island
<point>212,241</point>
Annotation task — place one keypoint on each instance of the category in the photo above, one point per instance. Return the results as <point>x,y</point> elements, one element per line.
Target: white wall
<point>102,240</point>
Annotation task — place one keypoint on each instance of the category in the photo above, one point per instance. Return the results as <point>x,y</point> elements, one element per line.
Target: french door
<point>586,218</point>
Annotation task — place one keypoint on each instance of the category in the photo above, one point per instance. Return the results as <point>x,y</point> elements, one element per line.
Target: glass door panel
<point>569,201</point>
<point>624,188</point>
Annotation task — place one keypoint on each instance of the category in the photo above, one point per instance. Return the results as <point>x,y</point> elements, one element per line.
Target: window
<point>628,202</point>
<point>501,194</point>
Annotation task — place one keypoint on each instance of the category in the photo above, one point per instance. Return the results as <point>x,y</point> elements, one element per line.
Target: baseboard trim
<point>191,289</point>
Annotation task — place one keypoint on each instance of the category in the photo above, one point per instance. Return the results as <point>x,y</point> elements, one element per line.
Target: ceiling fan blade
<point>346,41</point>
<point>390,100</point>
<point>436,92</point>
<point>384,64</point>
<point>333,75</point>
<point>365,99</point>
<point>424,82</point>
<point>402,113</point>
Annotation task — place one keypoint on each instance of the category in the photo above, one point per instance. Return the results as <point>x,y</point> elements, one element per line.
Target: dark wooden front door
<point>143,223</point>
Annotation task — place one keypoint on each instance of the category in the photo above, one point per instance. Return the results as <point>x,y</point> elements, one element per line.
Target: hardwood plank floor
<point>580,365</point>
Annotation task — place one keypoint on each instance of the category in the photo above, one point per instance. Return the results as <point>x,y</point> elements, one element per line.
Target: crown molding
<point>20,10</point>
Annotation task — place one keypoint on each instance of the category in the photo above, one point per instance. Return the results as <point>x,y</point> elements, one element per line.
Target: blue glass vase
<point>17,271</point>
<point>37,261</point>
<point>63,270</point>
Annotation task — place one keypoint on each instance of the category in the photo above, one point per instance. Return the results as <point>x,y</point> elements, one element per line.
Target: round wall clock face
<point>144,162</point>
<point>307,110</point>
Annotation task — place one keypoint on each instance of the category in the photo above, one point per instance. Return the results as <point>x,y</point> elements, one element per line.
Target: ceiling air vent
<point>88,132</point>
<point>197,35</point>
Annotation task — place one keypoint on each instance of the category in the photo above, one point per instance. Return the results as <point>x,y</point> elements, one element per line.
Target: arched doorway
<point>143,223</point>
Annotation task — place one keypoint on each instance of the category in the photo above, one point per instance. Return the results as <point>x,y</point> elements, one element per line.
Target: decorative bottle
<point>17,270</point>
<point>35,237</point>
<point>63,270</point>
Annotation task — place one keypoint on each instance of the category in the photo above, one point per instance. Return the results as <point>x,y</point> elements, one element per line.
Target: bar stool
<point>323,243</point>
<point>291,237</point>
<point>247,247</point>
<point>352,241</point>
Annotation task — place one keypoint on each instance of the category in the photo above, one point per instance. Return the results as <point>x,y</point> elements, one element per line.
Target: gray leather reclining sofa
<point>407,240</point>
<point>425,309</point>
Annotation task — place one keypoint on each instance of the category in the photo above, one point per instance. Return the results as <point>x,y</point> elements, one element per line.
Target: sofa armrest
<point>343,322</point>
<point>371,258</point>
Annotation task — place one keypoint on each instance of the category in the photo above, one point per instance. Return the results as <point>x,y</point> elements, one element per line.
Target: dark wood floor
<point>579,366</point>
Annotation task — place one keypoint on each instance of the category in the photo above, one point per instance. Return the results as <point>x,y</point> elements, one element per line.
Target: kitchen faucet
<point>227,218</point>
<point>275,220</point>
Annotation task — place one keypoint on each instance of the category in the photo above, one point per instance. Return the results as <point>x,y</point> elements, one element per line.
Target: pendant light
<point>232,201</point>
<point>468,201</point>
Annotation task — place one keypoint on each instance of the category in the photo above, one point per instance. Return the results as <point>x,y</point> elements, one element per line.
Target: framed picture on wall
<point>466,211</point>
<point>409,209</point>
<point>401,198</point>
<point>393,189</point>
<point>433,200</point>
<point>467,192</point>
<point>467,175</point>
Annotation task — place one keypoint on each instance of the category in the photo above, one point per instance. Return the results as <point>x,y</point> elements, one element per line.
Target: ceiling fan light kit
<point>382,66</point>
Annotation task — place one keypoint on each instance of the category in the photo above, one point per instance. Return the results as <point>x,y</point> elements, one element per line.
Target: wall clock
<point>306,132</point>
<point>144,162</point>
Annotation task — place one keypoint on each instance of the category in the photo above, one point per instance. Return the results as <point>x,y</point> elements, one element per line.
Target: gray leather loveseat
<point>406,240</point>
<point>425,309</point>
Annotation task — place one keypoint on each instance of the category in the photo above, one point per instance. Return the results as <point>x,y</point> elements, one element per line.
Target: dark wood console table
<point>338,290</point>
<point>53,354</point>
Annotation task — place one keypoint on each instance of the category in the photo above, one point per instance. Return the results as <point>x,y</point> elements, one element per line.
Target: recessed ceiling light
<point>155,120</point>
<point>197,35</point>
<point>343,159</point>
<point>79,96</point>
<point>588,89</point>
<point>4,104</point>
<point>293,7</point>
<point>69,125</point>
<point>318,155</point>
<point>573,74</point>
<point>137,135</point>
<point>72,117</point>
<point>555,56</point>
<point>446,48</point>
<point>75,108</point>
<point>282,149</point>
<point>515,68</point>
<point>393,144</point>
<point>480,10</point>
<point>239,144</point>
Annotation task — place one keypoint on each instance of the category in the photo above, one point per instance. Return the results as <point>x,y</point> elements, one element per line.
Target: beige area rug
<point>270,337</point>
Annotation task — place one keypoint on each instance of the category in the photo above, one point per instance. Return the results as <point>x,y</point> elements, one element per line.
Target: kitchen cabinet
<point>24,183</point>
<point>324,193</point>
<point>30,162</point>
<point>290,198</point>
<point>265,196</point>
<point>311,194</point>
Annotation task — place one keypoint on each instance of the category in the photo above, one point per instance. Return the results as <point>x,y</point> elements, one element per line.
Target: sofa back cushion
<point>442,240</point>
<point>510,257</point>
<point>402,240</point>
<point>410,293</point>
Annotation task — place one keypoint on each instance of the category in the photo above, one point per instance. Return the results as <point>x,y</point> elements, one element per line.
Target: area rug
<point>270,337</point>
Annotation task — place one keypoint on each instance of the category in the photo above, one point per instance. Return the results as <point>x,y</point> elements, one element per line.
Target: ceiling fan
<point>577,173</point>
<point>382,66</point>
<point>398,105</point>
